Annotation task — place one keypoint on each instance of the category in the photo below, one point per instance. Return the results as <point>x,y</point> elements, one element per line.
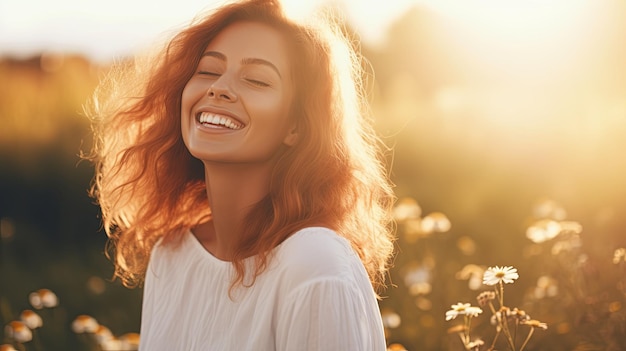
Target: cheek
<point>275,106</point>
<point>194,90</point>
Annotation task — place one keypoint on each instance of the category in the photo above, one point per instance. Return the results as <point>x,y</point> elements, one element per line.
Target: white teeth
<point>210,118</point>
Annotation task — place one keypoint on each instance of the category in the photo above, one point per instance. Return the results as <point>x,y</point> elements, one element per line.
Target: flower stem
<point>505,328</point>
<point>530,333</point>
<point>466,332</point>
<point>493,343</point>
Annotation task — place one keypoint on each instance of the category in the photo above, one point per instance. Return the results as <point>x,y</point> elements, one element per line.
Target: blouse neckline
<point>207,255</point>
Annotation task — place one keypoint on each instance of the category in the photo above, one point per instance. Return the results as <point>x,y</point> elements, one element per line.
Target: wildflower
<point>436,222</point>
<point>473,274</point>
<point>457,309</point>
<point>571,227</point>
<point>130,341</point>
<point>390,318</point>
<point>474,344</point>
<point>619,255</point>
<point>535,324</point>
<point>31,319</point>
<point>543,230</point>
<point>473,311</point>
<point>84,324</point>
<point>18,331</point>
<point>462,308</point>
<point>519,315</point>
<point>407,208</point>
<point>7,347</point>
<point>417,278</point>
<point>48,298</point>
<point>103,334</point>
<point>43,298</point>
<point>396,347</point>
<point>112,344</point>
<point>484,297</point>
<point>35,300</point>
<point>496,318</point>
<point>468,270</point>
<point>495,275</point>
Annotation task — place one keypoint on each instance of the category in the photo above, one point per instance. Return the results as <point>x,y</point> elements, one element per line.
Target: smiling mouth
<point>208,119</point>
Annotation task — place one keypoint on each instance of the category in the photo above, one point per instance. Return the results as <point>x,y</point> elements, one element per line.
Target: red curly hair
<point>150,187</point>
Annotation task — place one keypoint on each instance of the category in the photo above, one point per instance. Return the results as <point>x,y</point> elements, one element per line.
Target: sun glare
<point>527,20</point>
<point>512,29</point>
<point>535,57</point>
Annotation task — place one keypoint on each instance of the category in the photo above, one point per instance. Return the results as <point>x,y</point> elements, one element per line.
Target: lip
<point>216,111</point>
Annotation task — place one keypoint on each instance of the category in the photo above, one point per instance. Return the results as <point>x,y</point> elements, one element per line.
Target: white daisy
<point>619,255</point>
<point>43,298</point>
<point>18,331</point>
<point>436,222</point>
<point>543,230</point>
<point>407,208</point>
<point>462,308</point>
<point>84,324</point>
<point>474,344</point>
<point>495,275</point>
<point>103,334</point>
<point>48,298</point>
<point>473,311</point>
<point>390,318</point>
<point>130,341</point>
<point>535,324</point>
<point>31,319</point>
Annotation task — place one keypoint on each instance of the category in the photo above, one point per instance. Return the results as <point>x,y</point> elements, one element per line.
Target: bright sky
<point>104,29</point>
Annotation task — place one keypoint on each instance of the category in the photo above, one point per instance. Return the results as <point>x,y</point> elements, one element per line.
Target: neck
<point>232,190</point>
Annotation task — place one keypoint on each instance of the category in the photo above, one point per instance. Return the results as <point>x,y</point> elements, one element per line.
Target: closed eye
<point>208,73</point>
<point>258,82</point>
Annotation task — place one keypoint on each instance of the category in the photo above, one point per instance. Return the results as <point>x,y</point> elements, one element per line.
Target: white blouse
<point>315,295</point>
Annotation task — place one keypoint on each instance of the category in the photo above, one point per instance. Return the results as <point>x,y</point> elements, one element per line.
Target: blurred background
<point>507,122</point>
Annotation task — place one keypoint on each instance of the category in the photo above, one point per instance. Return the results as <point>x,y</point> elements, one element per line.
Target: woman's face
<point>235,107</point>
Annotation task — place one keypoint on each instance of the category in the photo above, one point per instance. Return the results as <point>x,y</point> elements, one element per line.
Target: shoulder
<point>325,299</point>
<point>315,246</point>
<point>317,253</point>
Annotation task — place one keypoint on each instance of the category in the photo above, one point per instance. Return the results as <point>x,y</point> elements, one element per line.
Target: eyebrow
<point>244,61</point>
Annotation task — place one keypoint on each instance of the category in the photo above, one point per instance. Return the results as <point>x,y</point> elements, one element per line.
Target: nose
<point>221,90</point>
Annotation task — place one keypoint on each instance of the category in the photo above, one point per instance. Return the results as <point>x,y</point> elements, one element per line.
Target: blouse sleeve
<point>330,314</point>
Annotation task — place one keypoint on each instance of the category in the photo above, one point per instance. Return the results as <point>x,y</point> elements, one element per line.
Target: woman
<point>237,176</point>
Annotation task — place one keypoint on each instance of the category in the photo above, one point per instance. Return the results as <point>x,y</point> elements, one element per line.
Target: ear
<point>292,137</point>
